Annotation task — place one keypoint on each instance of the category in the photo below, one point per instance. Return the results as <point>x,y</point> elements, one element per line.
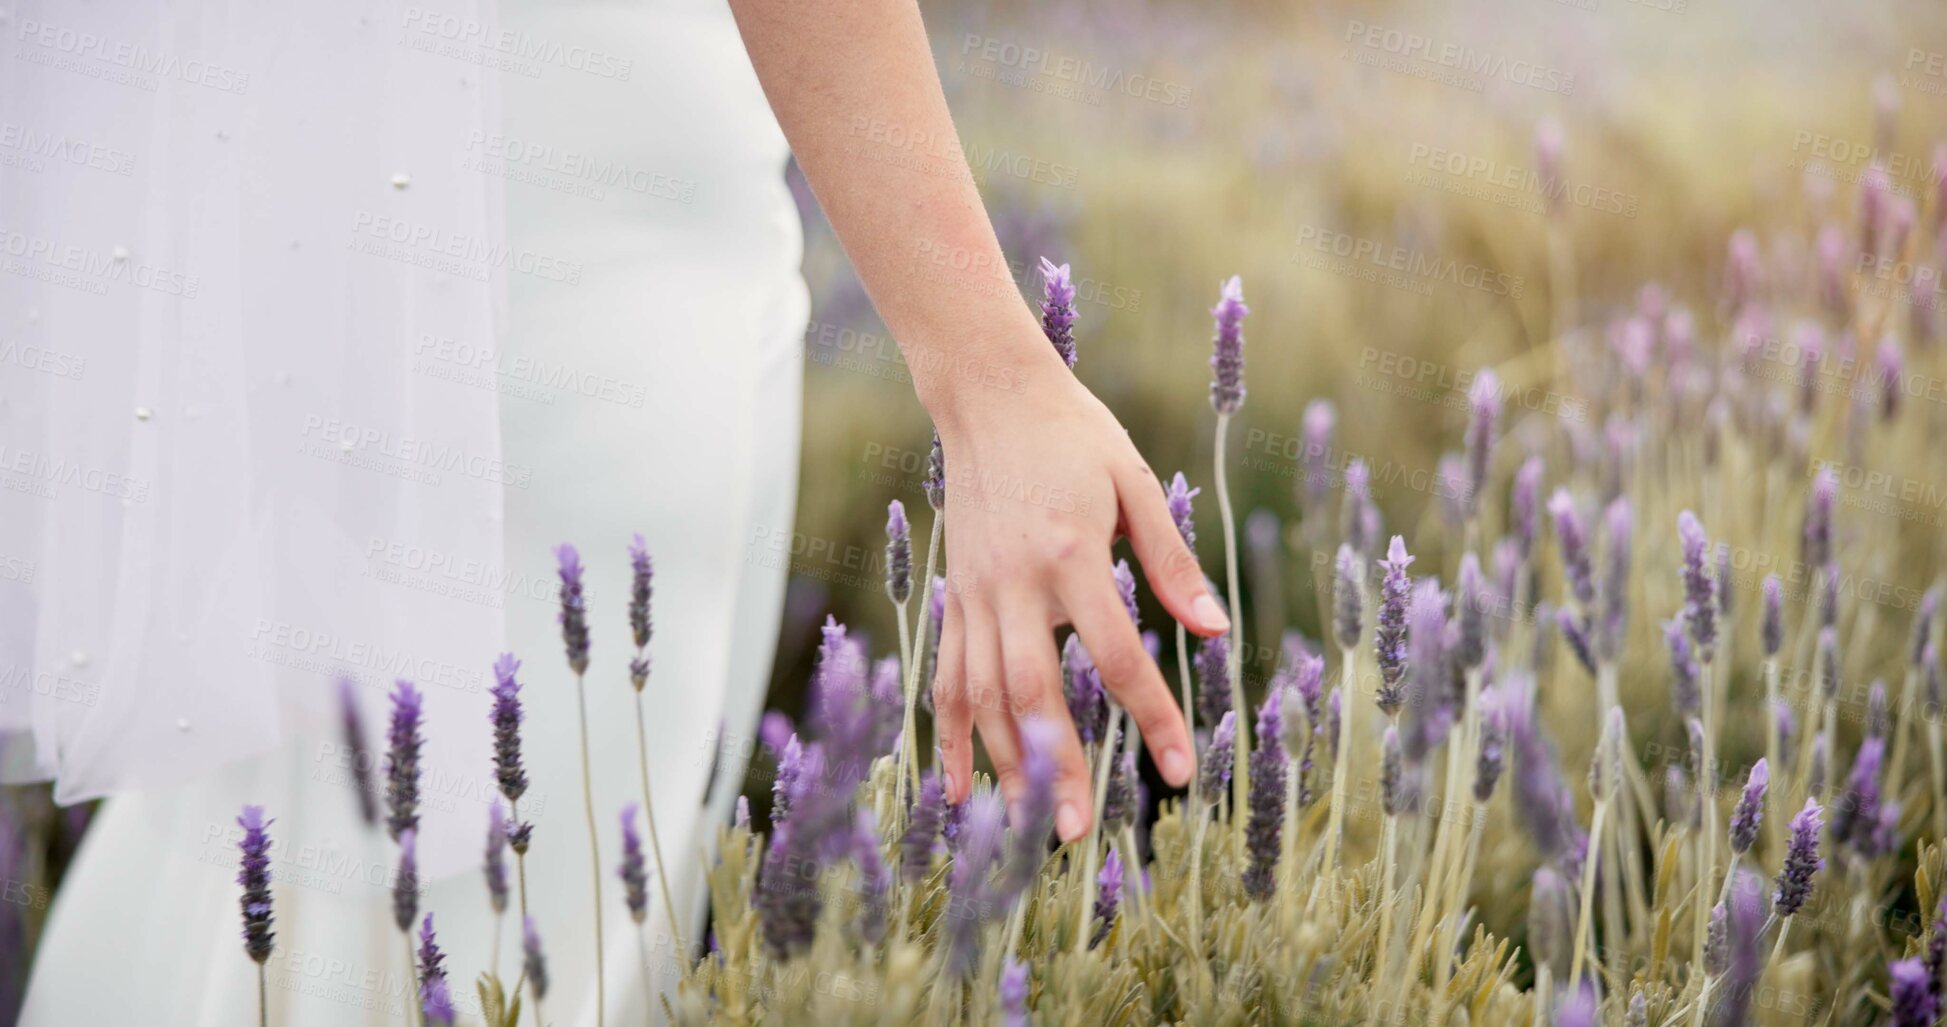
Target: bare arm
<point>1040,475</point>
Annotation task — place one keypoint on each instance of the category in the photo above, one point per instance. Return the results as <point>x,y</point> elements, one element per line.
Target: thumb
<point>1167,561</point>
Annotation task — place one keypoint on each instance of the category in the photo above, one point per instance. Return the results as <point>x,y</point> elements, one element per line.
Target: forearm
<point>853,86</point>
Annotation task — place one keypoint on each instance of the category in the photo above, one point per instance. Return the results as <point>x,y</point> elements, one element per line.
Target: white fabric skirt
<point>325,326</point>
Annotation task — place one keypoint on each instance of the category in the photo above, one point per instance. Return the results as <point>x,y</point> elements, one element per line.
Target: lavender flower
<point>1213,678</point>
<point>1855,811</point>
<point>1108,895</point>
<point>496,865</point>
<point>1524,506</point>
<point>534,964</point>
<point>740,819</point>
<point>1227,351</point>
<point>1391,769</point>
<point>979,843</point>
<point>1058,309</point>
<point>506,719</point>
<point>875,881</point>
<point>1014,994</point>
<point>402,761</point>
<point>574,607</point>
<point>1033,815</point>
<point>1348,598</point>
<point>1684,693</point>
<point>1484,404</point>
<point>1577,639</point>
<point>787,905</point>
<point>1264,830</point>
<point>353,723</point>
<point>1699,589</point>
<point>1389,636</point>
<point>1358,518</point>
<point>1817,551</point>
<point>641,569</point>
<point>1912,991</point>
<point>405,887</point>
<point>1578,1007</point>
<point>1551,920</point>
<point>899,554</point>
<point>432,962</point>
<point>253,873</point>
<point>1726,582</point>
<point>1826,659</point>
<point>934,484</point>
<point>1470,601</point>
<point>1773,623</point>
<point>1319,420</point>
<point>1429,677</point>
<point>1492,758</point>
<point>1125,586</point>
<point>1781,711</point>
<point>1218,757</point>
<point>1613,599</point>
<point>1744,948</point>
<point>635,879</point>
<point>437,1004</point>
<point>1717,941</point>
<point>1815,777</point>
<point>1575,547</point>
<point>922,829</point>
<point>1178,495</point>
<point>1749,813</point>
<point>790,767</point>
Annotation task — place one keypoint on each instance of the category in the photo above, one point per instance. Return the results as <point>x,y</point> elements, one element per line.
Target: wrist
<point>956,379</point>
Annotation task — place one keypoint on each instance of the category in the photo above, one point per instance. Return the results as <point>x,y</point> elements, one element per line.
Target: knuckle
<point>1120,662</point>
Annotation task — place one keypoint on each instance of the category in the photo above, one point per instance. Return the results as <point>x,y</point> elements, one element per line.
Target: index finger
<point>1097,612</point>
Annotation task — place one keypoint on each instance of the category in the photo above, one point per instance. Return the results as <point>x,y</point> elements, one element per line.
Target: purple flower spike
<point>875,881</point>
<point>1745,945</point>
<point>1429,676</point>
<point>405,888</point>
<point>1818,518</point>
<point>1613,598</point>
<point>1389,635</point>
<point>1494,732</point>
<point>1773,624</point>
<point>1058,309</point>
<point>1014,994</point>
<point>1699,588</point>
<point>1912,991</point>
<point>1125,586</point>
<point>437,1004</point>
<point>1749,813</point>
<point>1578,1007</point>
<point>1227,350</point>
<point>1525,505</point>
<point>1684,694</point>
<point>402,761</point>
<point>934,484</point>
<point>1726,583</point>
<point>353,723</point>
<point>1391,770</point>
<point>1213,678</point>
<point>496,865</point>
<point>432,962</point>
<point>922,830</point>
<point>1263,831</point>
<point>635,878</point>
<point>1217,759</point>
<point>1470,602</point>
<point>506,719</point>
<point>1320,418</point>
<point>534,963</point>
<point>1119,798</point>
<point>253,873</point>
<point>1348,598</point>
<point>1082,687</point>
<point>642,570</point>
<point>1108,895</point>
<point>1574,542</point>
<point>1033,815</point>
<point>979,843</point>
<point>1855,812</point>
<point>1577,639</point>
<point>574,607</point>
<point>1178,495</point>
<point>1484,412</point>
<point>899,554</point>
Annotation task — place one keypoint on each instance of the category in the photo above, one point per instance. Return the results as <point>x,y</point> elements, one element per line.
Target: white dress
<point>320,324</point>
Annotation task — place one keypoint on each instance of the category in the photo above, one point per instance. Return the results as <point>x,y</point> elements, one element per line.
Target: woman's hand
<point>1040,479</point>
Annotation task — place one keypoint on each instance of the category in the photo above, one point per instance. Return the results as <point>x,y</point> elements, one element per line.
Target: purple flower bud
<point>1033,816</point>
<point>1264,830</point>
<point>979,844</point>
<point>1551,920</point>
<point>437,1004</point>
<point>1911,989</point>
<point>641,571</point>
<point>1684,695</point>
<point>1178,496</point>
<point>1923,626</point>
<point>1217,759</point>
<point>1320,418</point>
<point>1578,1007</point>
<point>1348,598</point>
<point>1749,813</point>
<point>405,887</point>
<point>1699,589</point>
<point>1717,941</point>
<point>1125,586</point>
<point>1494,731</point>
<point>253,873</point>
<point>1108,895</point>
<point>574,608</point>
<point>1575,547</point>
<point>1855,812</point>
<point>1773,624</point>
<point>1802,861</point>
<point>1576,637</point>
<point>1119,798</point>
<point>353,725</point>
<point>402,761</point>
<point>922,830</point>
<point>1744,943</point>
<point>1817,550</point>
<point>432,963</point>
<point>1058,309</point>
<point>790,767</point>
<point>1827,661</point>
<point>1389,636</point>
<point>496,865</point>
<point>1613,598</point>
<point>1781,712</point>
<point>899,554</point>
<point>1358,517</point>
<point>533,963</point>
<point>875,881</point>
<point>1213,678</point>
<point>635,878</point>
<point>1014,994</point>
<point>506,719</point>
<point>1525,505</point>
<point>1391,771</point>
<point>1429,671</point>
<point>934,484</point>
<point>1484,411</point>
<point>1470,603</point>
<point>1227,350</point>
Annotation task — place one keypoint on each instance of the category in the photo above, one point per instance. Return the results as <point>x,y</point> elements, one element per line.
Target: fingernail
<point>1068,822</point>
<point>1176,767</point>
<point>1209,614</point>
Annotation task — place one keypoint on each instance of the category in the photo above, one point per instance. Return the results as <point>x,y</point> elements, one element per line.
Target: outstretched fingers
<point>1127,670</point>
